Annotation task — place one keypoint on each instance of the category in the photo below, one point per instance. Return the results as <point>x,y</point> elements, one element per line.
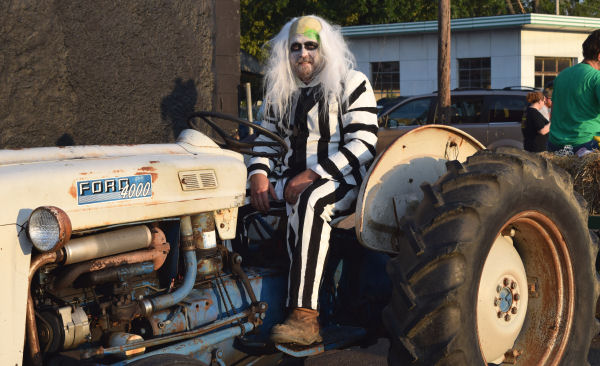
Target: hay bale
<point>585,172</point>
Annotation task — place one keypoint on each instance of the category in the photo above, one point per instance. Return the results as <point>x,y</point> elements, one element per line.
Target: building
<point>486,52</point>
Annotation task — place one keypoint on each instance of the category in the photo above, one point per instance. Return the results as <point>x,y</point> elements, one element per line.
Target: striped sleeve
<point>359,130</point>
<point>263,165</point>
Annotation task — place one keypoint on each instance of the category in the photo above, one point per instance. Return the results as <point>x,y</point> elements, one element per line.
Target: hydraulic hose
<point>148,306</point>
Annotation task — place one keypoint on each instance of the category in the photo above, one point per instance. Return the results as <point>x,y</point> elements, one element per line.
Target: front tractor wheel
<point>497,265</point>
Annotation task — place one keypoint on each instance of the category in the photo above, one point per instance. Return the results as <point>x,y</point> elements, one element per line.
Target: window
<point>413,112</point>
<point>466,109</point>
<point>546,68</point>
<point>474,73</point>
<point>386,79</point>
<point>507,108</point>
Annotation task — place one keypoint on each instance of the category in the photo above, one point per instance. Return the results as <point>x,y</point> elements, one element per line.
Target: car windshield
<point>413,112</point>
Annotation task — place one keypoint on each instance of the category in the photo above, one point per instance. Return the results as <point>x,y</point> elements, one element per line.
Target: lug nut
<point>496,302</point>
<point>506,281</point>
<point>513,310</point>
<point>516,297</point>
<point>498,288</point>
<point>513,285</point>
<point>499,314</point>
<point>507,317</point>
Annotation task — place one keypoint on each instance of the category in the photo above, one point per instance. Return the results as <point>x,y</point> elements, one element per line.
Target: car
<point>384,104</point>
<point>492,116</point>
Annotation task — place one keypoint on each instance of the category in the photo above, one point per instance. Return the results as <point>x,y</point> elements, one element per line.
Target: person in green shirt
<point>576,101</point>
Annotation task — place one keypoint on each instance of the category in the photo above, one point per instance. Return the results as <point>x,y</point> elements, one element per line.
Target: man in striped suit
<point>326,112</point>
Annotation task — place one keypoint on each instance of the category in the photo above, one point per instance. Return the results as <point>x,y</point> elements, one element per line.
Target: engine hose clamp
<point>187,243</point>
<point>146,307</point>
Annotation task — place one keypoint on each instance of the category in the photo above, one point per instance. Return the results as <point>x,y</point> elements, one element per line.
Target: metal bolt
<point>516,297</point>
<point>222,225</point>
<point>499,314</point>
<point>513,285</point>
<point>498,288</point>
<point>507,317</point>
<point>506,281</point>
<point>513,310</point>
<point>496,302</point>
<point>512,233</point>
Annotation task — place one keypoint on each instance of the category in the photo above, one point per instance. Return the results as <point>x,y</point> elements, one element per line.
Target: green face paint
<point>312,34</point>
<point>308,27</point>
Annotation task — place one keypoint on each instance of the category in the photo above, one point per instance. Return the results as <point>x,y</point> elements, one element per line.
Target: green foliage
<point>262,19</point>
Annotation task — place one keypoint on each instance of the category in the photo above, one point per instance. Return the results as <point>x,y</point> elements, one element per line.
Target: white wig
<point>280,81</point>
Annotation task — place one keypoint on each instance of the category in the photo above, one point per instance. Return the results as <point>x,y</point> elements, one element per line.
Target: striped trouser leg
<point>308,233</point>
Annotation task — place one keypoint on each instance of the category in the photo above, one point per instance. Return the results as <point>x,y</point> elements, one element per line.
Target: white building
<point>496,52</point>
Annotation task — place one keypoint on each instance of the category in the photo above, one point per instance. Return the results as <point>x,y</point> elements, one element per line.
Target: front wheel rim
<point>547,293</point>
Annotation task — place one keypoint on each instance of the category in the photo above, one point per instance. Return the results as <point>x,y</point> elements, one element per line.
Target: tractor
<point>151,255</point>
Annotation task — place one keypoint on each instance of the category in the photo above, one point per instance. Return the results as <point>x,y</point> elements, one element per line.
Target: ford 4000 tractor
<point>150,255</point>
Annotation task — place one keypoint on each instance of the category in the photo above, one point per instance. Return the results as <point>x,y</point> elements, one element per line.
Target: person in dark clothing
<point>536,127</point>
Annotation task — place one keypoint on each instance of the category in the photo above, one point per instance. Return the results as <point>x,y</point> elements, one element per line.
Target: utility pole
<point>443,107</point>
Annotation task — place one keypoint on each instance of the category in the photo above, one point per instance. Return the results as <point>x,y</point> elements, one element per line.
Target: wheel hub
<point>507,300</point>
<point>501,300</point>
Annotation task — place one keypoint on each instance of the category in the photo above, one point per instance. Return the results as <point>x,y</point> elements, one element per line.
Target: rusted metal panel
<point>225,221</point>
<point>88,183</point>
<point>393,183</point>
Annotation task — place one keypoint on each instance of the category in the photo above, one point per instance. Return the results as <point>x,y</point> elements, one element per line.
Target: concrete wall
<point>105,72</point>
<point>548,43</point>
<point>512,53</point>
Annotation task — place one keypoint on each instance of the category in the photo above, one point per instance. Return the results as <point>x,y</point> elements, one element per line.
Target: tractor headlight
<point>49,228</point>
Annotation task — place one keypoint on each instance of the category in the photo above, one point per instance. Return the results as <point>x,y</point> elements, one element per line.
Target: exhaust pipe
<point>108,243</point>
<point>157,253</point>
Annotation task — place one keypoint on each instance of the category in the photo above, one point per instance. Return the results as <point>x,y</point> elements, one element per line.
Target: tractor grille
<point>198,179</point>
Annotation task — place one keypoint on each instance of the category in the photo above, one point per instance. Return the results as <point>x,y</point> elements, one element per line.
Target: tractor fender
<point>391,188</point>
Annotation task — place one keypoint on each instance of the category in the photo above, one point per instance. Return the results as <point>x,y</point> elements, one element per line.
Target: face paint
<point>304,40</point>
<point>305,58</point>
<point>307,26</point>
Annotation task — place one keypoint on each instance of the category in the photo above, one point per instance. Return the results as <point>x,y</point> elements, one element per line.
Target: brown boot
<point>301,327</point>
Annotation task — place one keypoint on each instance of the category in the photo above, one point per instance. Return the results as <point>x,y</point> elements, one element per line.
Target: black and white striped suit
<point>336,139</point>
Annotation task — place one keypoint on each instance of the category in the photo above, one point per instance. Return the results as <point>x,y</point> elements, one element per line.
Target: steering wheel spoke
<point>277,144</point>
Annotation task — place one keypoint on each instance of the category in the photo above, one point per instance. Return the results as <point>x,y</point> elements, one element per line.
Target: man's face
<point>305,57</point>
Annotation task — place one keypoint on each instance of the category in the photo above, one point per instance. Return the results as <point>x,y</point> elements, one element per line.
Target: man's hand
<point>260,187</point>
<point>298,184</point>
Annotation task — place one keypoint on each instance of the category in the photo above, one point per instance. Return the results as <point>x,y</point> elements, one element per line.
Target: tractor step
<point>334,337</point>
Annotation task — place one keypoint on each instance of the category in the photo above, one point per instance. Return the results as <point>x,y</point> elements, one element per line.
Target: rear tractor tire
<point>496,265</point>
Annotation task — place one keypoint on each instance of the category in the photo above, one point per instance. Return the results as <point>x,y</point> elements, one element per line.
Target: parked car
<point>384,104</point>
<point>492,116</point>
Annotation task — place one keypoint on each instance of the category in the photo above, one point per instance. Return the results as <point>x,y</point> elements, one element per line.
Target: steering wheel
<point>233,144</point>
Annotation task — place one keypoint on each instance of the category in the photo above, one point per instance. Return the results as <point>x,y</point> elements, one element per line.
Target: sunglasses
<point>309,46</point>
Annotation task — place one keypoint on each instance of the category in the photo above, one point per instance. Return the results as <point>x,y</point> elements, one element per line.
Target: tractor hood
<point>111,185</point>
